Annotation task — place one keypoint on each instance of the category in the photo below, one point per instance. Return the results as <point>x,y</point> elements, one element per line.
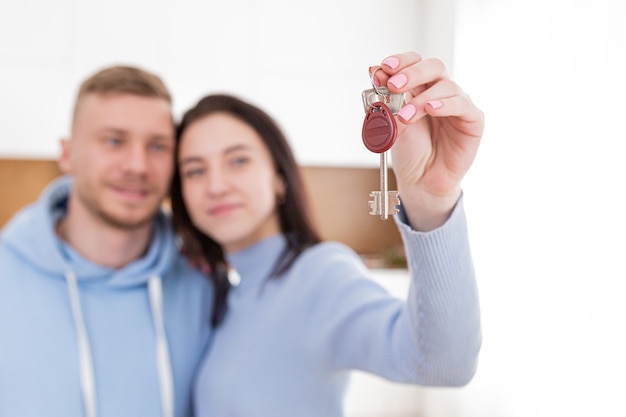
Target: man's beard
<point>125,224</point>
<point>122,222</point>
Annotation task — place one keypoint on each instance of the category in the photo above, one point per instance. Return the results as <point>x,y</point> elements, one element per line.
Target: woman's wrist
<point>426,212</point>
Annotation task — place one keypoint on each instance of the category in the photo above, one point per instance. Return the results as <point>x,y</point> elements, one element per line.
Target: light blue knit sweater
<point>287,344</point>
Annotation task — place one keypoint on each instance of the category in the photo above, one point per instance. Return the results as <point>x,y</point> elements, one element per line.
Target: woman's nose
<point>217,182</point>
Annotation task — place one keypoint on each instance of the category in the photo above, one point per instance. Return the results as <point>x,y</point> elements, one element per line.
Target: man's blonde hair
<point>123,80</point>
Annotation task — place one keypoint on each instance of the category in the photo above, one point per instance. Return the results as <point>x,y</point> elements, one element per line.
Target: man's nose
<point>137,159</point>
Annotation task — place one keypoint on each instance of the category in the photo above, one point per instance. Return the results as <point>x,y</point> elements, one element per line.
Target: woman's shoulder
<point>330,257</point>
<point>327,249</point>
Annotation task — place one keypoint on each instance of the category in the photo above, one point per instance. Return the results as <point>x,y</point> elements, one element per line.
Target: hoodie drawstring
<point>155,290</point>
<point>87,379</point>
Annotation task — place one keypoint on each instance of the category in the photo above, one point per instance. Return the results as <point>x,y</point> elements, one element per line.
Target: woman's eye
<point>192,172</point>
<point>240,160</point>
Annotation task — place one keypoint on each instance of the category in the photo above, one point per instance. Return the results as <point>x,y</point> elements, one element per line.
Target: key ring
<point>370,97</point>
<point>374,84</point>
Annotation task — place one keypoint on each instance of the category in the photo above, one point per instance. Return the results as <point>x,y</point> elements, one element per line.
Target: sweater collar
<point>256,262</point>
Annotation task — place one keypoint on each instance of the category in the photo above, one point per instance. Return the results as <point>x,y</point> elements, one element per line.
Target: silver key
<point>384,202</point>
<point>379,133</point>
<point>382,94</point>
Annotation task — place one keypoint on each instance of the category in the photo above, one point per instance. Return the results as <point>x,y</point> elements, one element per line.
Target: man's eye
<point>159,147</point>
<point>114,141</point>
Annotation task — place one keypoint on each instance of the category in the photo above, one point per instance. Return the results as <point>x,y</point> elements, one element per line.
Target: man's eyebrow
<point>111,129</point>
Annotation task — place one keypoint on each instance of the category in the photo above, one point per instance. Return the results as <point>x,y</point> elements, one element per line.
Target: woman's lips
<point>222,209</point>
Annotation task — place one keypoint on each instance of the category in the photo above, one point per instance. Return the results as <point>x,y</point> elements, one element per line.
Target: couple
<point>101,314</point>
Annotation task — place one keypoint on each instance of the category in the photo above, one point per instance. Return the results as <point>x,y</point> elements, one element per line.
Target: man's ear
<point>65,159</point>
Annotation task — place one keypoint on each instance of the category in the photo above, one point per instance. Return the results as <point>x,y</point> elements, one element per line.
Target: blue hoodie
<point>79,339</point>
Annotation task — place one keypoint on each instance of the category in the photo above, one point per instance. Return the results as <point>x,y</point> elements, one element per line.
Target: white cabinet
<point>304,62</point>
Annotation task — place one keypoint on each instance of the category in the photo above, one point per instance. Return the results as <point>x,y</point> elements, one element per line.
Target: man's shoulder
<point>23,231</point>
<point>188,289</point>
<point>183,273</point>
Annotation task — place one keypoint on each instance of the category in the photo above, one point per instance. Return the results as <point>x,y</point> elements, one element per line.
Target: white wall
<point>544,198</point>
<point>545,202</point>
<point>295,59</point>
<point>305,62</point>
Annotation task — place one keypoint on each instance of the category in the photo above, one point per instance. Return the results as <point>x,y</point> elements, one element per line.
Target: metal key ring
<point>374,85</point>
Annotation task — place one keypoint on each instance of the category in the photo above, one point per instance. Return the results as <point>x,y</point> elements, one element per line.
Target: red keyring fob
<point>379,128</point>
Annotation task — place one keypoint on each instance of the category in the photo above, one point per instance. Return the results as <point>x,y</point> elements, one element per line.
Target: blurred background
<point>544,198</point>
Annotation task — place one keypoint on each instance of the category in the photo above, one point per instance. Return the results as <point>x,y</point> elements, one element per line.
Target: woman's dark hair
<point>293,210</point>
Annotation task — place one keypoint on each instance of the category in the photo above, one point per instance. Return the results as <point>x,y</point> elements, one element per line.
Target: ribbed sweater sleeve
<point>431,338</point>
<point>442,307</point>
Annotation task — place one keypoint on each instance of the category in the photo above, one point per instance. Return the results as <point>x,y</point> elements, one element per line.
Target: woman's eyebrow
<point>237,147</point>
<point>189,159</point>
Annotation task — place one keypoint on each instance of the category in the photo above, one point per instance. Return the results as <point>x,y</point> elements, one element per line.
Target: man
<point>99,315</point>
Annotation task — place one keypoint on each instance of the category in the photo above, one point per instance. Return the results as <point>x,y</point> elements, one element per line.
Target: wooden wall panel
<point>21,181</point>
<point>338,198</point>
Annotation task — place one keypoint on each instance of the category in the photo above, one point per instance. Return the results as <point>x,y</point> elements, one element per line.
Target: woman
<point>302,314</point>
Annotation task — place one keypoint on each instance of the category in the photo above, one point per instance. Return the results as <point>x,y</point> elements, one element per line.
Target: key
<point>379,133</point>
<point>384,202</point>
<point>382,94</point>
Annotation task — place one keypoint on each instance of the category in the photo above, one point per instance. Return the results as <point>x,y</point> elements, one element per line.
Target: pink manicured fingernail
<point>435,104</point>
<point>407,112</point>
<point>398,80</point>
<point>391,62</point>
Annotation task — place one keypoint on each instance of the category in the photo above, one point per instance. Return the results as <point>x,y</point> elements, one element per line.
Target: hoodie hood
<point>31,234</point>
